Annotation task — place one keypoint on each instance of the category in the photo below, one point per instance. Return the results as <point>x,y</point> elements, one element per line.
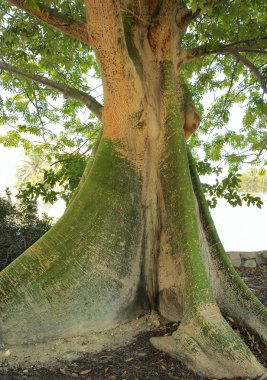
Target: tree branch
<point>225,105</point>
<point>252,68</point>
<point>248,41</point>
<point>161,33</point>
<point>67,91</point>
<point>200,51</point>
<point>168,8</point>
<point>190,16</point>
<point>241,49</point>
<point>72,28</point>
<point>233,49</point>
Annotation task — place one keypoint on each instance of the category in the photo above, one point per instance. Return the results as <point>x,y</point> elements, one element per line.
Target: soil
<point>136,360</point>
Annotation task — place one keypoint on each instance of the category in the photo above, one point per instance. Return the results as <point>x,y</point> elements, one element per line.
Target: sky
<point>241,228</point>
<point>9,159</point>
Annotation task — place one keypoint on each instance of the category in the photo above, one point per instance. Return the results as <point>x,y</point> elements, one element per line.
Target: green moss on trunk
<point>179,199</point>
<point>204,340</point>
<point>245,308</point>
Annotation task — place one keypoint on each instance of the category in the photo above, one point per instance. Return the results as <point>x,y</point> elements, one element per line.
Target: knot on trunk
<point>189,113</point>
<point>191,120</point>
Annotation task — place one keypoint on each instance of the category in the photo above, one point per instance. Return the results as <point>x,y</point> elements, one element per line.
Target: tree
<point>30,168</point>
<point>254,181</point>
<point>20,227</point>
<point>137,234</point>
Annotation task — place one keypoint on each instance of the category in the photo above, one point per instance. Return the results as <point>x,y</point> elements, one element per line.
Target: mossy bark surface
<point>86,268</point>
<point>234,297</point>
<point>203,333</point>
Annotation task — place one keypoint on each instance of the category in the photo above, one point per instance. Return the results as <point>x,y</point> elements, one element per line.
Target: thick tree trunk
<point>137,235</point>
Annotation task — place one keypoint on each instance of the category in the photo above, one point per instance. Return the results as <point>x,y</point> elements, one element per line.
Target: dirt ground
<point>137,360</point>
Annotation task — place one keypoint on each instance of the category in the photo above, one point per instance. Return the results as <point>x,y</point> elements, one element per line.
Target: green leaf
<point>32,4</point>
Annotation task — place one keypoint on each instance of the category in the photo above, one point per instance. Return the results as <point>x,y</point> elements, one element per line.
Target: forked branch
<point>160,33</point>
<point>67,91</point>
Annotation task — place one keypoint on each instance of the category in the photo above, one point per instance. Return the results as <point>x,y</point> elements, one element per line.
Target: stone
<point>234,255</point>
<point>259,259</point>
<point>235,258</point>
<point>248,255</point>
<point>236,263</point>
<point>249,263</point>
<point>264,257</point>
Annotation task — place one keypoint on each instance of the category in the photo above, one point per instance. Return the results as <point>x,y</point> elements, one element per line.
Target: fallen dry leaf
<point>129,359</point>
<point>85,371</point>
<point>141,354</point>
<point>7,353</point>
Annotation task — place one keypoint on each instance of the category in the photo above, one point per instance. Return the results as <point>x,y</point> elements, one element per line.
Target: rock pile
<point>248,259</point>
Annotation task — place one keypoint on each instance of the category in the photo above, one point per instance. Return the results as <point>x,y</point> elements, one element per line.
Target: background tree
<point>254,181</point>
<point>20,227</point>
<point>30,168</point>
<point>137,234</point>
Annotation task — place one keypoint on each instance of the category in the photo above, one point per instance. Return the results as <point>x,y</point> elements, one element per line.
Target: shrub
<point>20,227</point>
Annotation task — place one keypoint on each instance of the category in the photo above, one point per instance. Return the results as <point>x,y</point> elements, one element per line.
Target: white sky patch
<point>9,160</point>
<point>241,228</point>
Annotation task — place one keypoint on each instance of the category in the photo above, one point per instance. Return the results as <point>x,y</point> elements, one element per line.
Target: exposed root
<point>208,346</point>
<point>240,303</point>
<point>232,294</point>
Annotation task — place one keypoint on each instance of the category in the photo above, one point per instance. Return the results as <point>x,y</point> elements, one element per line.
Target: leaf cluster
<point>228,188</point>
<point>59,181</point>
